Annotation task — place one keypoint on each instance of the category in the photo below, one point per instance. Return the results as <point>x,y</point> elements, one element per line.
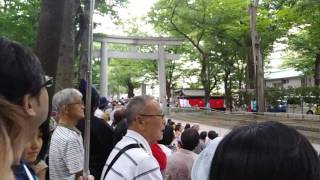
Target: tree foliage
<point>219,32</point>
<point>305,41</point>
<point>19,20</point>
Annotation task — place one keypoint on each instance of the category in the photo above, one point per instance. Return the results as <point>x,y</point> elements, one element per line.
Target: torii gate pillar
<point>104,70</point>
<point>162,77</point>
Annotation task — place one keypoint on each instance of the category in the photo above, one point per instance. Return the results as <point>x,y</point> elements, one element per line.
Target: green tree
<point>307,40</point>
<point>197,22</point>
<point>19,20</point>
<point>220,36</point>
<point>63,33</point>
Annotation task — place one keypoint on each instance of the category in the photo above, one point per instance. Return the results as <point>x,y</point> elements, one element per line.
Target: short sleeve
<point>74,156</point>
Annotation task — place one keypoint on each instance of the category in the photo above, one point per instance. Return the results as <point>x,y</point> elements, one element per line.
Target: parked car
<point>281,106</point>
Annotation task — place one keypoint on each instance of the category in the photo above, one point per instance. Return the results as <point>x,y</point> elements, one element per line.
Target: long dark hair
<point>44,129</point>
<point>265,151</point>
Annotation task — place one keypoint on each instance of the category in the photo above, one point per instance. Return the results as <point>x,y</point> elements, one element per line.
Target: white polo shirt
<point>66,153</point>
<point>135,163</point>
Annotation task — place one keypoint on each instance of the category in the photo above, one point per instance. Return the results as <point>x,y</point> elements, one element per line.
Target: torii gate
<point>160,55</point>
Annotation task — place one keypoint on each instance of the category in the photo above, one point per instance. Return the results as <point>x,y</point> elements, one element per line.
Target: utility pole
<point>257,56</point>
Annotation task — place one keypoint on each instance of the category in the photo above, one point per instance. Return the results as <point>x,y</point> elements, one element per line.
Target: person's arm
<point>73,156</point>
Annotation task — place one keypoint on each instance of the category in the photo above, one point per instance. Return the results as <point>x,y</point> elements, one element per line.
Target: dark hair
<point>20,72</point>
<point>203,135</point>
<point>103,103</point>
<point>187,126</point>
<point>118,116</point>
<point>177,127</point>
<point>168,135</point>
<point>190,139</point>
<point>212,134</point>
<point>44,129</point>
<point>120,131</point>
<point>95,97</point>
<point>169,121</point>
<point>265,151</point>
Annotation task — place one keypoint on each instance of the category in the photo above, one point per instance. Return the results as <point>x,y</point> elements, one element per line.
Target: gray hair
<point>135,105</point>
<point>64,97</point>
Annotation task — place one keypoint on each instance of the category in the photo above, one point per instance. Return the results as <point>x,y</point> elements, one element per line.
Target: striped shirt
<point>135,163</point>
<point>66,153</point>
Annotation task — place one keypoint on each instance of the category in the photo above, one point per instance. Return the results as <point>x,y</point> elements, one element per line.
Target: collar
<point>140,139</point>
<point>72,128</point>
<point>186,151</point>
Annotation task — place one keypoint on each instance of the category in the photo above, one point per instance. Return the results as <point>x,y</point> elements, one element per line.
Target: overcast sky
<point>140,8</point>
<point>134,9</point>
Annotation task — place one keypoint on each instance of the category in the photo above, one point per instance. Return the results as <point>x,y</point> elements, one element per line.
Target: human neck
<point>141,133</point>
<point>68,121</point>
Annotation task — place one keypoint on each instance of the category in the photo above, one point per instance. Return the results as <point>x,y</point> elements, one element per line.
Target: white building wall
<point>294,82</point>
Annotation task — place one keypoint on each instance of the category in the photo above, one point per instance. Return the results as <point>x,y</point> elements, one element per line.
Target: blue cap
<point>103,102</point>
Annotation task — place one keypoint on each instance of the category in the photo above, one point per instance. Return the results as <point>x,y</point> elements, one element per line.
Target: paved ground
<point>222,124</point>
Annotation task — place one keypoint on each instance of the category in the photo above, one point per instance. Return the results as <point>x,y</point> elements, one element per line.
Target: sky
<point>134,9</point>
<point>140,8</point>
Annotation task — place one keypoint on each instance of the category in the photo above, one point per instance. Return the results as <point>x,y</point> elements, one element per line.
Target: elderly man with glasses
<point>66,155</point>
<point>132,157</point>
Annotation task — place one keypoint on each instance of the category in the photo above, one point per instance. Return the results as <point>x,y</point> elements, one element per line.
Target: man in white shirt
<point>132,157</point>
<point>66,154</point>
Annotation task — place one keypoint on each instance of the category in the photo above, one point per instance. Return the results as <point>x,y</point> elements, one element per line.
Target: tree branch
<point>182,33</point>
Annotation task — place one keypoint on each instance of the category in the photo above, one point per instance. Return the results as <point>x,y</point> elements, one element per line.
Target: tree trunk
<point>65,68</point>
<point>49,36</point>
<point>84,38</point>
<point>317,71</point>
<point>168,90</point>
<point>205,79</point>
<point>207,93</point>
<point>130,88</point>
<point>250,71</point>
<point>227,89</point>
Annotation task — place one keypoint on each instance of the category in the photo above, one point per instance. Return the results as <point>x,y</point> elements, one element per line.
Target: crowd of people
<point>129,139</point>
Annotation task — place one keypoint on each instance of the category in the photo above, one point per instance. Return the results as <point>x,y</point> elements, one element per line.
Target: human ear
<point>141,122</point>
<point>28,102</point>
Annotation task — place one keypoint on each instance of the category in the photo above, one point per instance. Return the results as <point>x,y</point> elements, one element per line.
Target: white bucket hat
<point>201,167</point>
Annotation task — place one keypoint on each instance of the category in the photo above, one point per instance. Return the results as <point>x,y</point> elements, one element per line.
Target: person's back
<point>101,135</point>
<point>101,144</point>
<point>180,163</point>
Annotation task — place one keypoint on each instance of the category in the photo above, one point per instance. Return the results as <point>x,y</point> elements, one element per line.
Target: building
<point>285,78</point>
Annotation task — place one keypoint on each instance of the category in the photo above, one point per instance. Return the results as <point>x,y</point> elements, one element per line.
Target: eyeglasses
<point>48,82</point>
<point>80,103</point>
<point>159,115</point>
